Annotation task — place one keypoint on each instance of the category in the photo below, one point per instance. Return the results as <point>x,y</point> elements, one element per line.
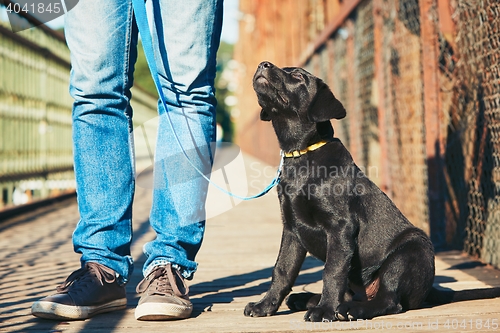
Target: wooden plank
<point>380,69</point>
<point>446,24</point>
<point>332,9</point>
<point>355,147</point>
<point>433,118</point>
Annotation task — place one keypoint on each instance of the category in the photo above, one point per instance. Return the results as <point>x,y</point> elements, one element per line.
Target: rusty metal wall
<point>420,80</point>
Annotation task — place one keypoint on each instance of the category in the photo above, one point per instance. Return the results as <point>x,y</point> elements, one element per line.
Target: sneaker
<point>86,292</point>
<point>162,298</point>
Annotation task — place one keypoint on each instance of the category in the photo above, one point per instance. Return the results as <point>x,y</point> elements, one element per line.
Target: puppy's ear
<point>265,115</point>
<point>325,106</point>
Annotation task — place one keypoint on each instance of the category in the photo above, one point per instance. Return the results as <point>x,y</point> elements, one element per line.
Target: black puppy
<point>376,261</point>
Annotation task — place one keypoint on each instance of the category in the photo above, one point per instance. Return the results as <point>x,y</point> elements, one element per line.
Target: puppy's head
<point>296,102</point>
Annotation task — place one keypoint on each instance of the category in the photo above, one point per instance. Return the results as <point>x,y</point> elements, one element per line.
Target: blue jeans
<point>102,37</point>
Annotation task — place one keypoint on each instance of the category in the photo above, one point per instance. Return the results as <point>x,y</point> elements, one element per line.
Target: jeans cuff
<point>187,274</point>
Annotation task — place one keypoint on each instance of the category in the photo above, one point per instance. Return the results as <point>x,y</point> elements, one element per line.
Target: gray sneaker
<point>86,292</point>
<point>164,295</point>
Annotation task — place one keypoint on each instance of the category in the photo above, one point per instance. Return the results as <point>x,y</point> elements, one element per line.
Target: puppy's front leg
<point>290,259</point>
<point>340,249</point>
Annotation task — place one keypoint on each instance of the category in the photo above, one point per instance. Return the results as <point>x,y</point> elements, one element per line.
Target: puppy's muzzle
<point>260,74</point>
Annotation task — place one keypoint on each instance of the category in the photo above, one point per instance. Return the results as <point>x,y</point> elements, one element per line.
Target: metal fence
<point>35,115</point>
<point>473,158</point>
<point>420,80</point>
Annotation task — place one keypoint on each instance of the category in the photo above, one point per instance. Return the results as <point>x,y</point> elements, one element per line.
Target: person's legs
<point>187,38</point>
<point>187,41</point>
<point>102,39</point>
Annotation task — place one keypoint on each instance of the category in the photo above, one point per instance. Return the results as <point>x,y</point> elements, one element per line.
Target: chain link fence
<point>473,163</point>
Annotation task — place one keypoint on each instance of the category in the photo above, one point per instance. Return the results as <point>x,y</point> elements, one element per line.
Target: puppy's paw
<point>365,310</point>
<point>320,313</point>
<point>302,301</point>
<point>350,311</point>
<point>260,309</point>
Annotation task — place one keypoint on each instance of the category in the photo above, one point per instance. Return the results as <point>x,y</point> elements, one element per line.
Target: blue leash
<point>147,44</point>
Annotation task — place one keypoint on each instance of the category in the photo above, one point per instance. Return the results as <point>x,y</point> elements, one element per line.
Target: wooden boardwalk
<point>235,264</point>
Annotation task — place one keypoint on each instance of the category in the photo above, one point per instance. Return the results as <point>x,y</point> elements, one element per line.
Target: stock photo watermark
<point>38,11</point>
<point>435,324</point>
<point>321,176</point>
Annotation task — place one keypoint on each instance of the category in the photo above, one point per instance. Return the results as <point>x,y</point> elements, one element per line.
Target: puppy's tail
<point>437,296</point>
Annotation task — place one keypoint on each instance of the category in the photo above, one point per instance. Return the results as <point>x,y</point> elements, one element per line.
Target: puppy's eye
<point>297,75</point>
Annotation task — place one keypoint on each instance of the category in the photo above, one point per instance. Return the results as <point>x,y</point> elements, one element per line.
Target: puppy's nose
<point>265,64</point>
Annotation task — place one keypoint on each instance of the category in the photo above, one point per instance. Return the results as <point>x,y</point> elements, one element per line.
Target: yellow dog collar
<point>298,153</point>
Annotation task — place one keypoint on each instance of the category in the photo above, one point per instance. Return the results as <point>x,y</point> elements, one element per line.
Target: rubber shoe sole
<point>51,310</point>
<point>162,311</point>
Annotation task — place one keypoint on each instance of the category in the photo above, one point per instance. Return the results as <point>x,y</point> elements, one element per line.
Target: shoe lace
<point>86,275</point>
<point>165,282</point>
